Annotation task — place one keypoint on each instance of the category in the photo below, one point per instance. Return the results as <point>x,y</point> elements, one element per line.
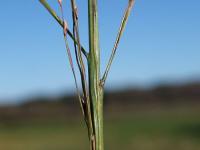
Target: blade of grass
<point>96,91</point>
<point>121,30</point>
<point>55,16</point>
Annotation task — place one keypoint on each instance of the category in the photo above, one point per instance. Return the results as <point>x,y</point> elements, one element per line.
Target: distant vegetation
<point>163,118</point>
<point>159,98</point>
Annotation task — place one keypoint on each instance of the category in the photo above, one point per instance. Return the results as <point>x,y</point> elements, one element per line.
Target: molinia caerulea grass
<point>90,94</point>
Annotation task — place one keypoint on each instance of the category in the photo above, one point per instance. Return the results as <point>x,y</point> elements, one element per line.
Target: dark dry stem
<point>121,30</point>
<point>55,16</point>
<point>82,70</point>
<point>72,66</point>
<point>78,52</point>
<point>71,61</point>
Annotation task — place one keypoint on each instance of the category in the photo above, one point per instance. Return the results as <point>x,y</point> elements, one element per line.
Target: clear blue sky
<point>161,42</point>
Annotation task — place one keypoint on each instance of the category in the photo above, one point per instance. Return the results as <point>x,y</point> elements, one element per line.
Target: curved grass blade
<point>55,16</point>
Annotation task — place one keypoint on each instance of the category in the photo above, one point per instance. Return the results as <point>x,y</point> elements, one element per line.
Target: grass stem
<point>120,32</point>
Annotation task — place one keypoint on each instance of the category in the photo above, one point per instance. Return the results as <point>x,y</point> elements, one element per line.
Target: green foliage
<point>91,99</point>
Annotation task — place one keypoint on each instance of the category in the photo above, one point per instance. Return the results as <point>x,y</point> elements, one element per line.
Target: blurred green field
<point>139,132</point>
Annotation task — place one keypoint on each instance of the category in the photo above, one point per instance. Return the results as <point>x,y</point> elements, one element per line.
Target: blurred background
<point>152,99</point>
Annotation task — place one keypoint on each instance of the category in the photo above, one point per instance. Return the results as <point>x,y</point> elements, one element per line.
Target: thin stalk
<point>78,51</point>
<point>65,28</point>
<point>81,67</point>
<point>95,89</point>
<point>121,30</point>
<point>61,23</point>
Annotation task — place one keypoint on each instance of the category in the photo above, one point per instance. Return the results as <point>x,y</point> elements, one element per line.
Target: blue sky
<point>161,42</point>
